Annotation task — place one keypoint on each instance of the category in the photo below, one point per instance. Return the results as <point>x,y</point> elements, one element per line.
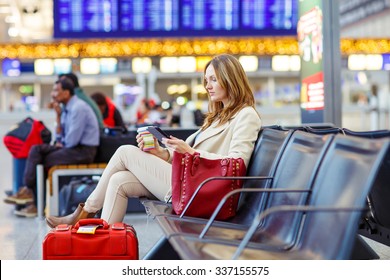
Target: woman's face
<point>216,92</point>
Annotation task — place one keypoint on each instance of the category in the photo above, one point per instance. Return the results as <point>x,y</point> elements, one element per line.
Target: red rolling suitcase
<point>91,239</point>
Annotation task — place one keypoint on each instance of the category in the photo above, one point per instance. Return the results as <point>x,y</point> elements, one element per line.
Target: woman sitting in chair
<point>230,129</point>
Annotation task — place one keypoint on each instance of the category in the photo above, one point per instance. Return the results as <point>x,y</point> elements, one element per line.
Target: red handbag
<point>190,171</point>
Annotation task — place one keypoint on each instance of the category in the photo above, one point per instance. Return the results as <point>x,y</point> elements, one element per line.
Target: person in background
<point>156,115</point>
<point>230,129</point>
<point>198,117</point>
<point>79,92</point>
<point>111,115</point>
<point>143,111</point>
<point>374,107</point>
<point>175,115</point>
<point>77,138</point>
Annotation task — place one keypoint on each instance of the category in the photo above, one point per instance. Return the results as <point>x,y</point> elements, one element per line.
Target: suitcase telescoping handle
<point>93,221</point>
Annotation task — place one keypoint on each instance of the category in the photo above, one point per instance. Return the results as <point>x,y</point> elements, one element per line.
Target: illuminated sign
<point>11,67</point>
<point>310,40</point>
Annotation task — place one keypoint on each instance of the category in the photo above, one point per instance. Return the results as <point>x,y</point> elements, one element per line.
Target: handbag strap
<point>195,162</point>
<point>224,166</point>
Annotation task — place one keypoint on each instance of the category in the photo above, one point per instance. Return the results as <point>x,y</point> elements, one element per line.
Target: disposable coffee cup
<point>147,137</point>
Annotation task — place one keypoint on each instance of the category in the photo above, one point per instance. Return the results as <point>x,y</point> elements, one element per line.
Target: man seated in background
<point>77,138</point>
<point>79,92</point>
<point>111,115</point>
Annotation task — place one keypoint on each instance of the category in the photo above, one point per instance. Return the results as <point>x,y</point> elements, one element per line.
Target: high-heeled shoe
<point>70,219</point>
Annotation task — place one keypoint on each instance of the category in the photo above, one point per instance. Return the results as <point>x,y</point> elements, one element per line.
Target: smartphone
<point>157,132</point>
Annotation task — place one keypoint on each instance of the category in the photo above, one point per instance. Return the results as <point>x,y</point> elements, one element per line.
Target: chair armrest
<point>286,208</point>
<point>233,192</point>
<point>40,190</point>
<point>60,167</point>
<point>221,178</point>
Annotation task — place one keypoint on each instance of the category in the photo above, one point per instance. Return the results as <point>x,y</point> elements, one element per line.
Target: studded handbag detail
<point>189,173</point>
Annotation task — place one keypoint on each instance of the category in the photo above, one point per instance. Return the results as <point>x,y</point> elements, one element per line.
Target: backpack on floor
<point>27,133</point>
<point>77,191</point>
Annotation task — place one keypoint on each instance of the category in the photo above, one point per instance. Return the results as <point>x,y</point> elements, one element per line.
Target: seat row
<point>303,198</point>
<point>376,223</point>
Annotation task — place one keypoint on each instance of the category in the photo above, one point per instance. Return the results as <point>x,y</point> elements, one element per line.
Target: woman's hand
<point>141,144</point>
<point>157,150</point>
<point>178,145</point>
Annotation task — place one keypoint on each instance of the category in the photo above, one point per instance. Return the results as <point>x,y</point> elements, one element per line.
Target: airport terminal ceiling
<point>32,20</point>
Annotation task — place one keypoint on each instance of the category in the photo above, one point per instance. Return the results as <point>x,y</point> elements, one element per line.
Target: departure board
<point>210,15</point>
<point>149,15</point>
<point>173,18</point>
<point>86,16</point>
<point>269,14</point>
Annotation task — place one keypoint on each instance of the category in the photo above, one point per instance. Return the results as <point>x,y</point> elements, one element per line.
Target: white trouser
<point>129,173</point>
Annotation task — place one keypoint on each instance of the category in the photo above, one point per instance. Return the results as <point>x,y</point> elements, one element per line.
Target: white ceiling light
<point>44,67</point>
<point>295,63</point>
<point>89,66</point>
<point>141,65</point>
<point>13,32</point>
<point>250,63</point>
<point>187,64</point>
<point>374,61</point>
<point>62,65</point>
<point>356,62</point>
<point>169,65</point>
<point>280,63</point>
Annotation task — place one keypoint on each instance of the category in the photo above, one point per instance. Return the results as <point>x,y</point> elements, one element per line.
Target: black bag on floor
<point>77,191</point>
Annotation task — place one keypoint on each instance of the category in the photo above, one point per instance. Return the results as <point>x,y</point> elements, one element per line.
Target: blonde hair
<point>231,77</point>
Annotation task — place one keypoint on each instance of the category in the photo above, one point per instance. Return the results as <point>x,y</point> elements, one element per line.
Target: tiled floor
<point>21,238</point>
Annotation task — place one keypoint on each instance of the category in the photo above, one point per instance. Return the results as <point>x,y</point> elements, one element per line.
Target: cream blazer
<point>235,139</point>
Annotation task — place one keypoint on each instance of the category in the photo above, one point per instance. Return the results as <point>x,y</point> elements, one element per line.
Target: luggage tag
<point>88,229</point>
